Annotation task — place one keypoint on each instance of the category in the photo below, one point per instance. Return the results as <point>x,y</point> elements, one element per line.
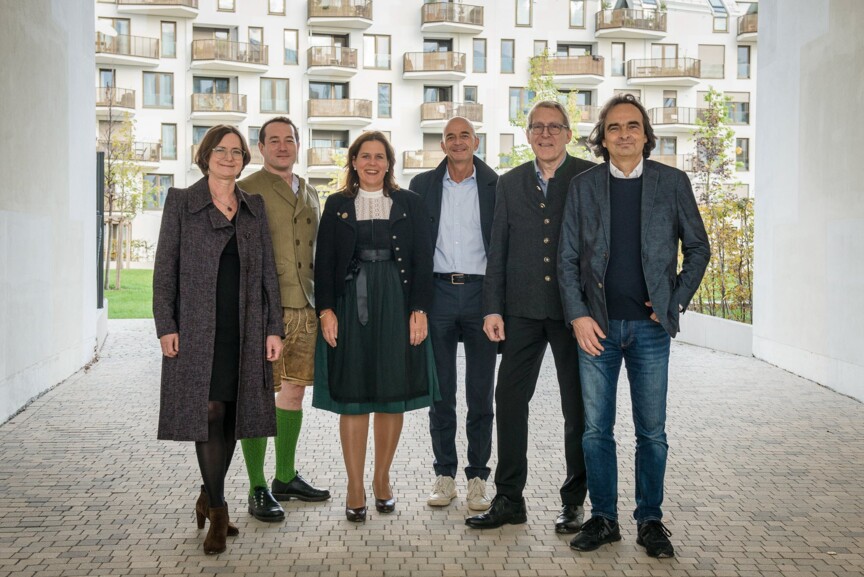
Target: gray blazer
<point>669,216</point>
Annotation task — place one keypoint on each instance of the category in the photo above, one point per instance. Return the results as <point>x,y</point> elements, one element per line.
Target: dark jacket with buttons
<point>411,243</point>
<point>521,274</point>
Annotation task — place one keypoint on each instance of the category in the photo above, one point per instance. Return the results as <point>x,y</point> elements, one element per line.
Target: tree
<point>727,288</point>
<point>340,158</point>
<point>541,86</point>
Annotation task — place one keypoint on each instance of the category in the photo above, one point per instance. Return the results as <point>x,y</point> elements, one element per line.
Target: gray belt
<point>358,272</point>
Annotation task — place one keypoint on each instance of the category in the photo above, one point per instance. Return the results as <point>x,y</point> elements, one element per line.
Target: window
<point>519,99</point>
<point>508,51</point>
<point>256,37</point>
<point>523,12</point>
<point>670,98</point>
<point>665,51</point>
<point>437,94</point>
<point>274,95</point>
<point>198,133</point>
<point>210,85</point>
<point>106,77</point>
<point>743,62</point>
<point>169,142</point>
<point>159,183</point>
<point>169,40</point>
<point>276,7</point>
<point>479,61</point>
<point>481,149</point>
<point>225,5</point>
<point>290,40</point>
<point>470,94</point>
<point>329,139</point>
<point>436,45</point>
<point>254,131</point>
<point>577,14</point>
<point>540,46</point>
<point>579,97</point>
<point>158,90</point>
<point>328,90</point>
<point>564,49</point>
<point>721,24</point>
<point>376,51</point>
<point>637,94</point>
<point>618,58</point>
<point>739,107</point>
<point>666,146</point>
<point>505,146</point>
<point>742,154</point>
<point>712,60</point>
<point>385,97</point>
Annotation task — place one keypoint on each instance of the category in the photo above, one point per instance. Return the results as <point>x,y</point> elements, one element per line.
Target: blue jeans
<point>644,348</point>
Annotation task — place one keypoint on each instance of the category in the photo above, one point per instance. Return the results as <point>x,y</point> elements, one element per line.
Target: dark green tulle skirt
<point>374,368</point>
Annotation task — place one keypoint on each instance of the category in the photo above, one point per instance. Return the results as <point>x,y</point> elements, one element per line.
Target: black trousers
<point>521,358</point>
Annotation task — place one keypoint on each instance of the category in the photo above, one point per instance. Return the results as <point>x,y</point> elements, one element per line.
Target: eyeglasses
<point>221,153</point>
<point>554,129</point>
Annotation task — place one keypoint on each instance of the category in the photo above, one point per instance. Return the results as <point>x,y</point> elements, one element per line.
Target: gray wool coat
<point>191,240</point>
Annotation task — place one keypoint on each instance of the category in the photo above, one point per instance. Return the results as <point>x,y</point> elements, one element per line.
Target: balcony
<point>674,119</point>
<point>663,72</point>
<point>114,102</point>
<point>576,71</point>
<point>414,161</point>
<point>340,14</point>
<point>628,23</point>
<point>588,116</point>
<point>434,115</point>
<point>128,50</point>
<point>169,8</point>
<point>338,113</point>
<point>324,161</point>
<point>144,152</point>
<point>228,56</point>
<point>449,18</point>
<point>748,27</point>
<point>683,162</point>
<point>448,66</point>
<point>223,107</point>
<point>331,62</point>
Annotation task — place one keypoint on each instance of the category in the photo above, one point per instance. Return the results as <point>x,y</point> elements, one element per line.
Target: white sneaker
<point>477,499</point>
<point>443,492</point>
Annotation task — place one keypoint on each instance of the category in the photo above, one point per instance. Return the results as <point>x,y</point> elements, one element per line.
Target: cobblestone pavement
<point>764,479</point>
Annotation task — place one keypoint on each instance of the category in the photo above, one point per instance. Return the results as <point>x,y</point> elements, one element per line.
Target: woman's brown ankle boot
<point>215,540</point>
<point>202,508</point>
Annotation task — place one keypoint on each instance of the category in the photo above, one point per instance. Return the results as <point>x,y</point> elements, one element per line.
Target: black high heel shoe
<point>357,514</point>
<point>386,505</point>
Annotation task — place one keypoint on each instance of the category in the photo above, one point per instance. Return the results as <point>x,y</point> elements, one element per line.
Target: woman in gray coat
<point>218,319</point>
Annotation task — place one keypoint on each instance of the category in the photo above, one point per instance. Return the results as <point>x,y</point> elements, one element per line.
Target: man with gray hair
<point>521,292</point>
<point>460,197</point>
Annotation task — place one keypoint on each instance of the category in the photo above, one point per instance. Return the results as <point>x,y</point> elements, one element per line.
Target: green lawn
<point>135,299</point>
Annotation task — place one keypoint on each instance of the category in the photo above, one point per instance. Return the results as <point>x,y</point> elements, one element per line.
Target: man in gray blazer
<point>521,292</point>
<point>623,291</point>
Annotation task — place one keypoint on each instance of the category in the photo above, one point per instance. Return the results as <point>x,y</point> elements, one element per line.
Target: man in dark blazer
<point>460,198</point>
<point>623,291</point>
<point>520,291</point>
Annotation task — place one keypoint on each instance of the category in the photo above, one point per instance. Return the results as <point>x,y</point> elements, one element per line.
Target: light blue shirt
<point>544,184</point>
<point>459,247</point>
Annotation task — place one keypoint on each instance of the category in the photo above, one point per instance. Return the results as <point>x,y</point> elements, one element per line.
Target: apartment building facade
<point>339,67</point>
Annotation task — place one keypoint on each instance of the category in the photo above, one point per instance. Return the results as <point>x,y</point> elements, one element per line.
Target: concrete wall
<point>716,333</point>
<point>49,323</point>
<point>809,264</point>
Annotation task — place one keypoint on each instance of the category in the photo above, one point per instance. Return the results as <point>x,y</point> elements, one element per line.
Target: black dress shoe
<point>264,507</point>
<point>595,532</point>
<point>569,519</point>
<point>356,515</point>
<point>503,511</point>
<point>298,488</point>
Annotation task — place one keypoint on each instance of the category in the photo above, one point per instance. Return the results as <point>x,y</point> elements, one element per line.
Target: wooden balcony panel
<point>227,50</point>
<point>683,162</point>
<point>663,68</point>
<point>339,9</point>
<point>339,108</point>
<point>332,56</point>
<point>588,114</point>
<point>210,102</point>
<point>434,62</point>
<point>141,151</point>
<point>431,111</point>
<point>124,45</point>
<point>112,96</point>
<point>454,13</point>
<point>421,159</point>
<point>185,3</point>
<point>576,65</point>
<point>648,20</point>
<point>324,156</point>
<point>748,24</point>
<point>675,115</point>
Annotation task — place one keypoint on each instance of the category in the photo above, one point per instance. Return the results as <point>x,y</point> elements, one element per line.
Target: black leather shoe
<point>357,515</point>
<point>654,536</point>
<point>264,507</point>
<point>503,511</point>
<point>595,532</point>
<point>569,519</point>
<point>298,488</point>
<point>385,505</point>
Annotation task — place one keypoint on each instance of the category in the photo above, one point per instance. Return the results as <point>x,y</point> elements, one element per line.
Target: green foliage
<point>337,177</point>
<point>135,301</point>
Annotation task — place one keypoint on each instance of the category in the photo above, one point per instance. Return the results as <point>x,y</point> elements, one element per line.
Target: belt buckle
<point>454,276</point>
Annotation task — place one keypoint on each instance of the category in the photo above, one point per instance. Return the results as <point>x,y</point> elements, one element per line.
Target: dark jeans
<point>522,356</point>
<point>456,311</point>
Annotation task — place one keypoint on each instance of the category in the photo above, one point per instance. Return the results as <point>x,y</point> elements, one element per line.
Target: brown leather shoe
<point>214,542</point>
<point>202,511</point>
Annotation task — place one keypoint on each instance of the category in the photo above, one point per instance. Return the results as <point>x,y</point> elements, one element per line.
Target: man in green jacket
<point>293,210</point>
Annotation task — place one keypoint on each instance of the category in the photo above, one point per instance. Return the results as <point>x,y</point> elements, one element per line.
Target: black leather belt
<point>458,278</point>
<point>359,272</point>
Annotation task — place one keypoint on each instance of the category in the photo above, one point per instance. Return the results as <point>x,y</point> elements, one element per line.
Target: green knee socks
<point>287,433</point>
<point>254,451</point>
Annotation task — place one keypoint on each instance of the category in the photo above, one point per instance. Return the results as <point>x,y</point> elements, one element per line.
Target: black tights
<point>214,454</point>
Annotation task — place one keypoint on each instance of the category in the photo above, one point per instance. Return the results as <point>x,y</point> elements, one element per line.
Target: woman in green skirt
<point>373,286</point>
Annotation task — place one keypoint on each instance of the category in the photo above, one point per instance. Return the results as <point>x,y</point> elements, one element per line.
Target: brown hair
<point>262,132</point>
<point>352,179</point>
<point>212,139</point>
<point>598,134</point>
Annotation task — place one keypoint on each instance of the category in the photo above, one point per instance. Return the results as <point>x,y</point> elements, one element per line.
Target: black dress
<point>226,352</point>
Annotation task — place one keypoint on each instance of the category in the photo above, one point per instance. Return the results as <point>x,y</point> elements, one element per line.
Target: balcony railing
<point>124,45</point>
<point>332,56</point>
<point>434,62</point>
<point>455,13</point>
<point>575,65</point>
<point>215,49</point>
<point>588,114</point>
<point>111,96</point>
<point>340,9</point>
<point>663,68</point>
<point>209,102</point>
<point>339,107</point>
<point>649,20</point>
<point>748,24</point>
<point>421,158</point>
<point>683,162</point>
<point>675,115</point>
<point>186,3</point>
<point>447,110</point>
<point>141,151</point>
<point>324,156</point>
